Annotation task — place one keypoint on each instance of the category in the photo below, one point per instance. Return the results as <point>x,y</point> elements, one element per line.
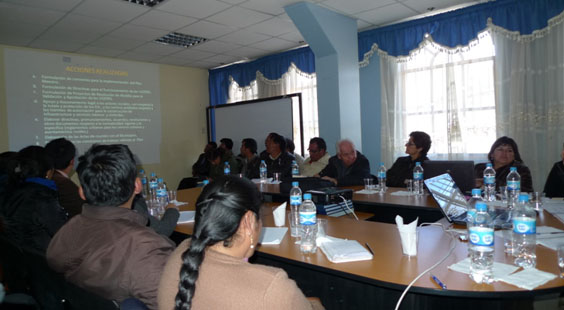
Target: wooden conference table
<point>383,207</point>
<point>378,283</point>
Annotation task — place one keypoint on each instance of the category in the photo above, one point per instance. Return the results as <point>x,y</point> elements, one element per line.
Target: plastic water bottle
<point>226,168</point>
<point>295,169</point>
<point>481,246</point>
<point>513,187</point>
<point>205,182</point>
<point>295,204</point>
<point>153,182</point>
<point>471,211</point>
<point>161,190</point>
<point>162,197</point>
<point>144,183</point>
<point>418,179</point>
<point>489,183</point>
<point>524,233</point>
<point>263,172</point>
<point>308,221</point>
<point>382,178</point>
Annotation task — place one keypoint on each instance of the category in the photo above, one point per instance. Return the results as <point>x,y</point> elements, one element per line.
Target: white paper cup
<point>279,214</point>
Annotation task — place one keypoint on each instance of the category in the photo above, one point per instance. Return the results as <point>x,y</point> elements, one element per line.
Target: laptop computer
<point>453,203</point>
<point>461,171</point>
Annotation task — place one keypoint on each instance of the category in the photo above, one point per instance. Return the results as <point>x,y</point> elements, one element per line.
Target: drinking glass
<point>507,229</point>
<point>560,255</point>
<point>368,184</point>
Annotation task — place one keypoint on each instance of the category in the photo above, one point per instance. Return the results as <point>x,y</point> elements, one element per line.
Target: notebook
<point>452,202</point>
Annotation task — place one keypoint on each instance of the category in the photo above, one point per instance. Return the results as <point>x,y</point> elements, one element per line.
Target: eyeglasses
<point>409,143</point>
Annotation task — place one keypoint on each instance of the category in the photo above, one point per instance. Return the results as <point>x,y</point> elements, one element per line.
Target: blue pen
<point>441,284</point>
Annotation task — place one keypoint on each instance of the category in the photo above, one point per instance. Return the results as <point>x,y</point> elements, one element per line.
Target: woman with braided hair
<point>210,270</point>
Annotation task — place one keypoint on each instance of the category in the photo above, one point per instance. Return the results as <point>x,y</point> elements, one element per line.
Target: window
<point>450,96</point>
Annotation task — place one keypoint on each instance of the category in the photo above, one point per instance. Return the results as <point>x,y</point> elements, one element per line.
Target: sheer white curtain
<point>447,93</point>
<point>529,80</point>
<point>291,82</point>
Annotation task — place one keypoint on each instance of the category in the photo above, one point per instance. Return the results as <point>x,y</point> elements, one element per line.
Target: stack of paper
<point>341,251</point>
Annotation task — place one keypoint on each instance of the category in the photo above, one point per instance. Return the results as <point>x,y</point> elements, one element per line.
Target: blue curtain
<point>461,26</point>
<point>272,67</point>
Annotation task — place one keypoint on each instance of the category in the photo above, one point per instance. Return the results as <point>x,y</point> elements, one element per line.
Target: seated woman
<point>212,266</point>
<point>554,186</point>
<point>30,208</point>
<point>417,147</point>
<point>503,155</point>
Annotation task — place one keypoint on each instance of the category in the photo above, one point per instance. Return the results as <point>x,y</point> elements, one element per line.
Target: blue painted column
<point>333,39</point>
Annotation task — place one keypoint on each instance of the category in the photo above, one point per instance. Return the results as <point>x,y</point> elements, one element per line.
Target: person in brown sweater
<point>210,270</point>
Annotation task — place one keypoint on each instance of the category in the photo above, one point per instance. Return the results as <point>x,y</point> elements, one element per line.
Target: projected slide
<point>84,99</point>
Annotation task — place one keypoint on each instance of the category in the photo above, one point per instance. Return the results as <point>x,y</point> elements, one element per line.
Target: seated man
<point>348,167</point>
<point>201,168</point>
<point>63,152</point>
<point>228,156</point>
<point>318,157</point>
<point>251,162</point>
<point>107,249</point>
<point>276,157</point>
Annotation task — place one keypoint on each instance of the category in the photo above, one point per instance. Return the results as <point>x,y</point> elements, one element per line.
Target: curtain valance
<point>461,26</point>
<point>272,67</point>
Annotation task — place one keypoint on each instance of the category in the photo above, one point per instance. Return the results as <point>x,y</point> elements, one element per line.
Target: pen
<point>441,284</point>
<point>369,248</point>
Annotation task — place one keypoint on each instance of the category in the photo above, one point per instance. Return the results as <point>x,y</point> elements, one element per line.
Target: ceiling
<point>237,30</point>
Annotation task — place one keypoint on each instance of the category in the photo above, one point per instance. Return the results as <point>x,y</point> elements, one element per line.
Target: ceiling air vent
<point>180,39</point>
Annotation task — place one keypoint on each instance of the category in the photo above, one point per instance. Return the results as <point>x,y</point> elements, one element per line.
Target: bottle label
<point>482,236</point>
<point>263,170</point>
<point>524,225</point>
<point>295,200</point>
<point>295,171</point>
<point>490,179</point>
<point>418,175</point>
<point>153,184</point>
<point>470,216</point>
<point>161,192</point>
<point>307,218</point>
<point>144,181</point>
<point>513,185</point>
<point>382,174</point>
<point>226,171</point>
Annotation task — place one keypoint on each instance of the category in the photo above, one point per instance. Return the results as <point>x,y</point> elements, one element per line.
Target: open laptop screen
<point>451,201</point>
<point>461,171</point>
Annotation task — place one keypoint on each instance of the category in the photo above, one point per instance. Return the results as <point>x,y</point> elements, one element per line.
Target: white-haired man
<point>348,167</point>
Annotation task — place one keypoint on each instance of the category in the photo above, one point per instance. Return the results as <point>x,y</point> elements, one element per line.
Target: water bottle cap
<point>476,191</point>
<point>307,196</point>
<point>206,182</point>
<point>481,206</point>
<point>153,174</point>
<point>489,165</point>
<point>262,161</point>
<point>523,197</point>
<point>382,163</point>
<point>160,180</point>
<point>295,184</point>
<point>513,169</point>
<point>418,163</point>
<point>227,163</point>
<point>141,171</point>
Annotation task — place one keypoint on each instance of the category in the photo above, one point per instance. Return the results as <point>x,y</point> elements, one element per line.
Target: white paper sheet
<point>272,235</point>
<point>186,216</point>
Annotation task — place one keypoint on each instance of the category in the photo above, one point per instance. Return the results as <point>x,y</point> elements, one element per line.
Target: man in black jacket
<point>348,167</point>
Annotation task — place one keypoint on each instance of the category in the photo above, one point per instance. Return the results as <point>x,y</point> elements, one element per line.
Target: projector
<point>330,195</point>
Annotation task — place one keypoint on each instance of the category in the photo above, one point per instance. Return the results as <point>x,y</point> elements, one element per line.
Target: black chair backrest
<point>187,183</point>
<point>52,291</point>
<point>15,274</point>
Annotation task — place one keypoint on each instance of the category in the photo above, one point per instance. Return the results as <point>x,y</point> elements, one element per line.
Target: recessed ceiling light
<point>180,39</point>
<point>149,3</point>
